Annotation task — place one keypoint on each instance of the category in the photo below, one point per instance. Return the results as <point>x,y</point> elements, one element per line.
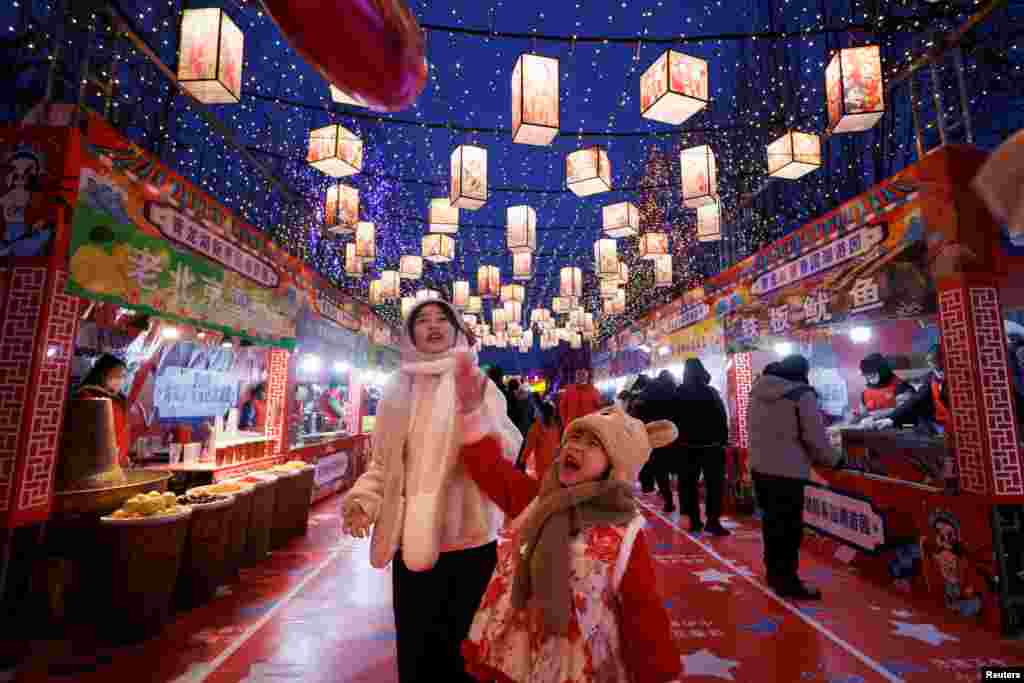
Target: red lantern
<point>853,88</point>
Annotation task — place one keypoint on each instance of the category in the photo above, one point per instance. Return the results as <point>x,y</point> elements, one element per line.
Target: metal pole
<point>916,116</point>
<point>83,74</point>
<point>58,51</point>
<point>965,108</point>
<point>940,116</point>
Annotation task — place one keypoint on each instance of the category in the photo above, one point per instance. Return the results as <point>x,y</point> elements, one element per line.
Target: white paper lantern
<point>663,270</point>
<point>499,319</point>
<point>366,241</point>
<point>515,330</point>
<point>587,171</point>
<point>470,320</point>
<point>335,151</point>
<point>408,303</point>
<point>588,323</point>
<point>469,177</point>
<point>475,305</point>
<point>390,285</point>
<point>210,56</point>
<point>442,217</point>
<point>500,340</point>
<point>794,155</point>
<point>438,248</point>
<point>623,273</point>
<point>540,316</point>
<point>488,282</point>
<point>609,289</point>
<point>341,97</point>
<point>513,311</point>
<point>521,222</point>
<point>674,88</point>
<point>490,340</point>
<point>571,282</point>
<point>709,223</point>
<point>620,220</point>
<point>606,259</point>
<point>411,267</point>
<point>522,265</point>
<point>353,264</point>
<point>652,244</point>
<point>699,176</point>
<point>560,305</point>
<point>376,295</point>
<point>855,93</point>
<point>460,294</point>
<point>341,209</point>
<point>535,100</point>
<point>427,295</point>
<point>513,293</point>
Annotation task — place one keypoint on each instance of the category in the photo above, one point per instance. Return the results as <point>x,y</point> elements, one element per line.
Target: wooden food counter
<point>903,454</point>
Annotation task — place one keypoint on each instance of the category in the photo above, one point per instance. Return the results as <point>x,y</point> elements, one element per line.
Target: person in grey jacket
<point>786,435</point>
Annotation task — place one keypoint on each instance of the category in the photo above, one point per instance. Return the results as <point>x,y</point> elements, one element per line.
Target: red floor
<point>317,612</point>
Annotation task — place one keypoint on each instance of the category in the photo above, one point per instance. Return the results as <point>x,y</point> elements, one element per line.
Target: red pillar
<point>744,380</point>
<point>277,401</point>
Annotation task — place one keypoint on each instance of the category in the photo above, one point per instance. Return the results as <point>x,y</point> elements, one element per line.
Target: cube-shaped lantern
<point>483,329</point>
<point>513,293</point>
<point>588,323</point>
<point>210,56</point>
<point>515,330</point>
<point>663,270</point>
<point>609,289</point>
<point>341,97</point>
<point>587,171</point>
<point>794,155</point>
<point>522,265</point>
<point>490,340</point>
<point>560,305</point>
<point>442,217</point>
<point>376,294</point>
<point>854,90</point>
<point>709,223</point>
<point>623,273</point>
<point>576,341</point>
<point>535,100</point>
<point>366,241</point>
<point>499,319</point>
<point>521,228</point>
<point>335,151</point>
<point>620,220</point>
<point>353,264</point>
<point>616,306</point>
<point>500,340</point>
<point>576,318</point>
<point>408,303</point>
<point>427,295</point>
<point>341,209</point>
<point>469,177</point>
<point>438,248</point>
<point>411,267</point>
<point>513,311</point>
<point>524,347</point>
<point>606,259</point>
<point>571,282</point>
<point>652,244</point>
<point>475,305</point>
<point>674,88</point>
<point>699,176</point>
<point>488,282</point>
<point>540,316</point>
<point>390,285</point>
<point>460,294</point>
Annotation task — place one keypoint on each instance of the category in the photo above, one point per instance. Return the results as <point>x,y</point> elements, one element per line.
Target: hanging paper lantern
<point>623,273</point>
<point>513,293</point>
<point>609,289</point>
<point>560,305</point>
<point>483,329</point>
<point>521,224</point>
<point>587,171</point>
<point>652,244</point>
<point>341,97</point>
<point>438,248</point>
<point>499,319</point>
<point>366,241</point>
<point>709,223</point>
<point>376,293</point>
<point>535,100</point>
<point>500,340</point>
<point>540,316</point>
<point>663,270</point>
<point>410,267</point>
<point>427,295</point>
<point>528,338</point>
<point>335,151</point>
<point>616,306</point>
<point>475,305</point>
<point>390,285</point>
<point>490,340</point>
<point>606,258</point>
<point>854,89</point>
<point>620,220</point>
<point>488,282</point>
<point>408,303</point>
<point>588,323</point>
<point>210,56</point>
<point>469,177</point>
<point>341,209</point>
<point>571,282</point>
<point>513,311</point>
<point>353,264</point>
<point>576,318</point>
<point>576,341</point>
<point>460,294</point>
<point>522,265</point>
<point>794,155</point>
<point>442,217</point>
<point>699,176</point>
<point>674,88</point>
<point>515,330</point>
<point>470,320</point>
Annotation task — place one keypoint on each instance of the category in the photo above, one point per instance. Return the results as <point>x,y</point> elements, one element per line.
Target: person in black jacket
<point>703,434</point>
<point>658,402</point>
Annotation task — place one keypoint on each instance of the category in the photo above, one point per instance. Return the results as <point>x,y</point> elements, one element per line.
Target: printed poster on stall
<point>144,240</point>
<point>846,518</point>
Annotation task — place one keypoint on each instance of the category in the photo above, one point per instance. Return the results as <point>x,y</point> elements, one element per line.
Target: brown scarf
<point>544,539</point>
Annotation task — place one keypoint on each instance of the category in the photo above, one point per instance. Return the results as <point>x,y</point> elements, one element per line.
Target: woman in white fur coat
<point>427,515</point>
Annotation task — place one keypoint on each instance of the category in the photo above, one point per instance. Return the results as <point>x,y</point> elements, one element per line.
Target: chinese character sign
<point>851,520</point>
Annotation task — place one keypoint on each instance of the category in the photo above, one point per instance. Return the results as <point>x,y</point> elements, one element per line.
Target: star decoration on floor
<point>713,576</point>
<point>743,570</point>
<point>706,663</point>
<point>926,633</point>
<point>765,626</point>
<point>899,668</point>
<point>902,613</point>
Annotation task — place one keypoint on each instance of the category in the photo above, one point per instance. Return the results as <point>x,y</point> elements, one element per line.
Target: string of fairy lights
<point>766,61</point>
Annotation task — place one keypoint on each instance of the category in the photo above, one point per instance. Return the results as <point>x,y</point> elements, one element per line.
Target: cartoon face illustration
<point>23,168</point>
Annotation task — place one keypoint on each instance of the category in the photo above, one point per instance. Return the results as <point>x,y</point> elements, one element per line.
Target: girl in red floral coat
<point>573,597</point>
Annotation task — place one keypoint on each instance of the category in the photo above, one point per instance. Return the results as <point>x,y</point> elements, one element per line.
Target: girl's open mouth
<point>571,463</point>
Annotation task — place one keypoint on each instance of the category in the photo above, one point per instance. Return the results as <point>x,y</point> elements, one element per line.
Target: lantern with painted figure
<point>535,106</point>
<point>521,225</point>
<point>699,171</point>
<point>438,248</point>
<point>469,177</point>
<point>674,88</point>
<point>442,217</point>
<point>366,241</point>
<point>794,155</point>
<point>620,220</point>
<point>210,56</point>
<point>522,265</point>
<point>587,171</point>
<point>854,90</point>
<point>341,209</point>
<point>335,151</point>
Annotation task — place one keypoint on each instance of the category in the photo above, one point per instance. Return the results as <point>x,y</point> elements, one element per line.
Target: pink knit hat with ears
<point>627,441</point>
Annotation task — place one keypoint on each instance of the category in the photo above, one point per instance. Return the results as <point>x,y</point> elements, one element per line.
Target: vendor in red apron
<point>332,406</point>
<point>929,407</point>
<point>884,389</point>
